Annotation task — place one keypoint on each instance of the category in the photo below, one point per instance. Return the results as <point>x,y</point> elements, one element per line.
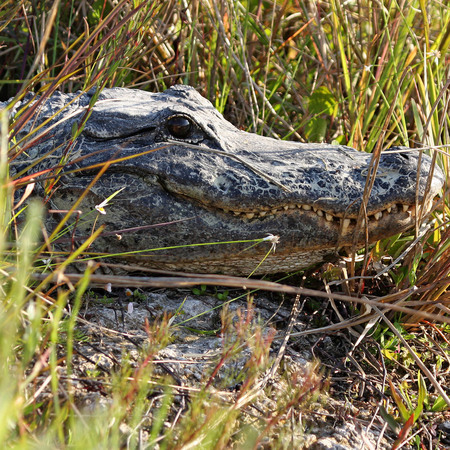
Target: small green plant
<point>137,295</point>
<point>409,414</point>
<point>391,346</point>
<point>201,290</point>
<point>222,296</point>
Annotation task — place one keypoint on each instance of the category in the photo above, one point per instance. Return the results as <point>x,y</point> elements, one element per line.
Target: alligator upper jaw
<point>329,180</point>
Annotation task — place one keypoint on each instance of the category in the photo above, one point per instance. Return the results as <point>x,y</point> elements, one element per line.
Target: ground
<point>341,417</point>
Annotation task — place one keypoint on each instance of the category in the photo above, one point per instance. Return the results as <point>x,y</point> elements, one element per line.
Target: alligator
<point>182,175</point>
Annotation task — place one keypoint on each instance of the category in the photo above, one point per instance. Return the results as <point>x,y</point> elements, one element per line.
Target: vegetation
<point>367,73</point>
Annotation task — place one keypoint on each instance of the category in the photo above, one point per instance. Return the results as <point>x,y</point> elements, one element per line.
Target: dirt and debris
<point>117,329</point>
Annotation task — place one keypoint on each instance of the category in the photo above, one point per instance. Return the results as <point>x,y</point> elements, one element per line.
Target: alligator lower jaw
<point>345,222</point>
<point>237,264</point>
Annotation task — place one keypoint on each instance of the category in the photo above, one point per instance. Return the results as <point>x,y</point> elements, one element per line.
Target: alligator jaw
<point>305,236</point>
<point>393,219</point>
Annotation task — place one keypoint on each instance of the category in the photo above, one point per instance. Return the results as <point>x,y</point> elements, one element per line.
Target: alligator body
<point>181,164</point>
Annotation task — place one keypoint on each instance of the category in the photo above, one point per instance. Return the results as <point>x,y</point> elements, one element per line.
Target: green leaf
<point>421,397</point>
<point>405,414</point>
<point>322,101</point>
<point>389,354</point>
<point>417,119</point>
<point>74,130</point>
<point>316,129</point>
<point>393,424</point>
<point>439,405</point>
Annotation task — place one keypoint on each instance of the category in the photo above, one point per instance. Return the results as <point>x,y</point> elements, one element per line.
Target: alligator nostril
<point>179,126</point>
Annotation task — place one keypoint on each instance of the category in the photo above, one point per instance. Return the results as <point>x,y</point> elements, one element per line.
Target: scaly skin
<point>230,185</point>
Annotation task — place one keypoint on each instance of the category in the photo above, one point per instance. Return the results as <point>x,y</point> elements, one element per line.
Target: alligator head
<point>181,164</point>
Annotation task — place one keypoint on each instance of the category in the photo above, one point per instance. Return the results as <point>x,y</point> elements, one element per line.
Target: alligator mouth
<point>345,221</point>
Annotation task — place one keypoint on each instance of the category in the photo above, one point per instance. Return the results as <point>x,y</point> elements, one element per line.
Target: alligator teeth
<point>321,213</point>
<point>345,225</point>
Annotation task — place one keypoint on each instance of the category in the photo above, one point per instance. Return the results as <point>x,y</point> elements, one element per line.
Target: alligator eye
<point>179,126</point>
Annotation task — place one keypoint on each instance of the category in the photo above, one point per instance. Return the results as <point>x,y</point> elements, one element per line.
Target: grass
<point>368,74</point>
